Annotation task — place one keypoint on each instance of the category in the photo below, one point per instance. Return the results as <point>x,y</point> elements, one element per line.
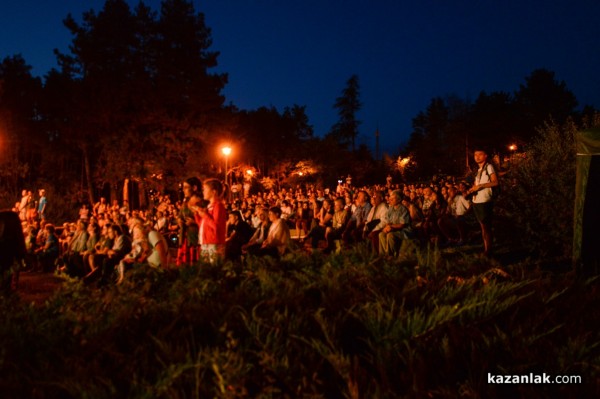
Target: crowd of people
<point>210,223</point>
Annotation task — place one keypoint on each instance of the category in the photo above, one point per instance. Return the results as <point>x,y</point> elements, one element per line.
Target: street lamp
<point>227,151</point>
<point>512,148</point>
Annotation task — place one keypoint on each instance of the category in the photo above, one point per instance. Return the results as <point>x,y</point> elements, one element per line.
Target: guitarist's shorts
<point>484,212</point>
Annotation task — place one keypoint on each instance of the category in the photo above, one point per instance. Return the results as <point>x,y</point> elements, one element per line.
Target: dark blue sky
<point>285,52</point>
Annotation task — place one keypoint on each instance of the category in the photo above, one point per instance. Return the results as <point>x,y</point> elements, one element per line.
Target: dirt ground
<point>37,287</point>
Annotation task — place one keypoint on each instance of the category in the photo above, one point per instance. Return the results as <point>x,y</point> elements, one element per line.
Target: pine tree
<point>347,105</point>
<point>143,86</point>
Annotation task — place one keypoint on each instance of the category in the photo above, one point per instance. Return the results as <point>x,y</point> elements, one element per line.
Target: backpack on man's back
<point>496,191</point>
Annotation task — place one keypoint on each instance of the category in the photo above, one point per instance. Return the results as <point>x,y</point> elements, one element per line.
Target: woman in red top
<point>212,219</point>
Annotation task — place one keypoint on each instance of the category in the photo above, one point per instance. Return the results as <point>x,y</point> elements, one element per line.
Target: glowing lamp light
<point>512,147</point>
<point>249,172</point>
<point>226,151</point>
<point>300,174</point>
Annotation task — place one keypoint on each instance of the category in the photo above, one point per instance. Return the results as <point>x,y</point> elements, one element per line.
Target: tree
<point>75,143</point>
<point>188,92</point>
<point>270,137</point>
<point>444,134</point>
<point>495,121</point>
<point>297,123</point>
<point>20,141</point>
<point>427,139</point>
<point>142,87</point>
<point>347,105</point>
<point>542,98</point>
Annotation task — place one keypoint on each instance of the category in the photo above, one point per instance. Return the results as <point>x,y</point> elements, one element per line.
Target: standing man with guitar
<point>483,201</point>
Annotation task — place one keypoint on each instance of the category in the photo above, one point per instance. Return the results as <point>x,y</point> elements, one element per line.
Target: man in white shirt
<point>374,218</point>
<point>356,224</point>
<point>278,238</point>
<point>454,220</point>
<point>483,204</point>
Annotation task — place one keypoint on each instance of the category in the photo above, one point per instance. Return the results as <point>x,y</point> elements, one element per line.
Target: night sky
<point>284,52</point>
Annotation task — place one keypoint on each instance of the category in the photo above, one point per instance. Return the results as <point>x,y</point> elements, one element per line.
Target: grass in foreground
<point>347,326</point>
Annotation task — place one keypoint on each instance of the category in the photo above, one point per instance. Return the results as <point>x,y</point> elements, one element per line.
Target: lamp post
<point>226,152</point>
<point>513,149</point>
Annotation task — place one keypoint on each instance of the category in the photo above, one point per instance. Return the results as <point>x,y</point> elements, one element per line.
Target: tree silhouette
<point>541,98</point>
<point>444,134</point>
<point>347,105</point>
<point>143,91</point>
<point>21,140</point>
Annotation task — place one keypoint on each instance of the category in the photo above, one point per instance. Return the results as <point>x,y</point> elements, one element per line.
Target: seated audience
<point>278,238</point>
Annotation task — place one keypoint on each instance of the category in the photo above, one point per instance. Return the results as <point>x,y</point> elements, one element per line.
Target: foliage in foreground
<point>343,326</point>
<point>540,192</point>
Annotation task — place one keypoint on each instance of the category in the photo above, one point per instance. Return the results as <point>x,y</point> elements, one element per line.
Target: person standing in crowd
<point>42,205</point>
<point>189,250</point>
<point>31,208</point>
<point>23,205</point>
<point>100,207</point>
<point>212,220</point>
<point>483,204</point>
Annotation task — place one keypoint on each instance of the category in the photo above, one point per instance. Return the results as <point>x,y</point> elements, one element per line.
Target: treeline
<point>444,134</point>
<point>136,98</point>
